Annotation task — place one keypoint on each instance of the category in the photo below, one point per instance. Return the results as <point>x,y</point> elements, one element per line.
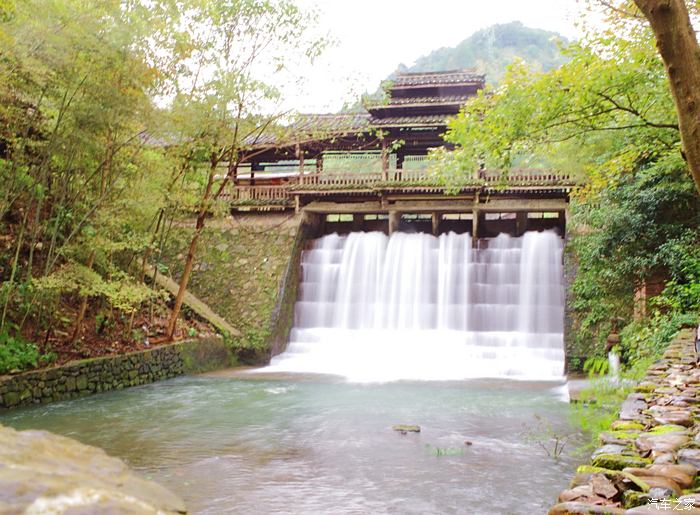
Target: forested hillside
<point>492,49</point>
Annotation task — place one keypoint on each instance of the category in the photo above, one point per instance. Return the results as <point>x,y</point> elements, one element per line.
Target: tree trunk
<point>184,280</point>
<point>207,200</point>
<point>189,261</point>
<point>83,304</point>
<point>679,49</point>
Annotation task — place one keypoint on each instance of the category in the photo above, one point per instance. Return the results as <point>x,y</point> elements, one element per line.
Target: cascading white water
<point>416,306</point>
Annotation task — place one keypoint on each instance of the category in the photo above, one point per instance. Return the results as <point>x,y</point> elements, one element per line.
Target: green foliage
<point>16,354</point>
<point>121,292</point>
<point>598,406</point>
<point>607,117</point>
<point>596,366</point>
<point>605,109</point>
<point>489,51</point>
<point>102,322</point>
<point>644,341</point>
<point>114,119</point>
<point>682,292</point>
<point>645,224</point>
<point>641,343</point>
<point>47,358</point>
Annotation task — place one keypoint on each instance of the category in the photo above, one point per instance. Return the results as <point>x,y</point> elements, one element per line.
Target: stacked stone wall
<point>85,377</point>
<point>648,460</point>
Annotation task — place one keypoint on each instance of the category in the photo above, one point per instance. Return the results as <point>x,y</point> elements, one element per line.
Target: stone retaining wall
<point>245,272</point>
<point>85,377</point>
<point>649,459</point>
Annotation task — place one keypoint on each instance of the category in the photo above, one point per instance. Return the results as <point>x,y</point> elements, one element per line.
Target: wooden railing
<point>410,176</point>
<point>257,194</point>
<point>362,179</point>
<point>523,176</point>
<point>401,178</point>
<point>340,179</point>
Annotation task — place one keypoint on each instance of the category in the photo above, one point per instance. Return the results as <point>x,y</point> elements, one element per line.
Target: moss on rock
<point>667,428</point>
<point>627,425</point>
<point>619,461</point>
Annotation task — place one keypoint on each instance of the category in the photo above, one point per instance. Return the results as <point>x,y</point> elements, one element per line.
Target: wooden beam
<point>344,208</point>
<point>522,204</point>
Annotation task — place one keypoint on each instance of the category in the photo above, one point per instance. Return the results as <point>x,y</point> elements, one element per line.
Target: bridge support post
<point>300,156</point>
<point>255,166</point>
<point>394,219</point>
<point>385,161</point>
<point>436,223</point>
<point>475,227</point>
<point>520,223</point>
<point>357,220</point>
<point>399,164</point>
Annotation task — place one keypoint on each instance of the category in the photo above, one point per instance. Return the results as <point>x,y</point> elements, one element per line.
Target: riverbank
<point>650,457</point>
<point>84,377</point>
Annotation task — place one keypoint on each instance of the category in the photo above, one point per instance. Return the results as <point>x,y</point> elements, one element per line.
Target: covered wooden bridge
<point>370,170</point>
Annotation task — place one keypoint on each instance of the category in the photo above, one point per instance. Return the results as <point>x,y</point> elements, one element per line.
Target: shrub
<point>645,341</point>
<point>16,354</point>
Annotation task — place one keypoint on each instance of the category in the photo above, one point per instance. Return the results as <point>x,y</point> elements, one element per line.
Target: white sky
<point>374,36</point>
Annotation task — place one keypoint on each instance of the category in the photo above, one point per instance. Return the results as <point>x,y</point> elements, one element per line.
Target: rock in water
<point>45,473</point>
<point>405,428</point>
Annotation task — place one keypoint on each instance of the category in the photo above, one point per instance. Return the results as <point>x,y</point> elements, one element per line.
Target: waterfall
<point>416,306</point>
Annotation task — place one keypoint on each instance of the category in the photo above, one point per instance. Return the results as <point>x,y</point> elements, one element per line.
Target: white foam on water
<point>374,308</point>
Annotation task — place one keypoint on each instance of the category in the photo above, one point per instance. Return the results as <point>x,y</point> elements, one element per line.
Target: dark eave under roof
<point>421,101</point>
<point>427,120</point>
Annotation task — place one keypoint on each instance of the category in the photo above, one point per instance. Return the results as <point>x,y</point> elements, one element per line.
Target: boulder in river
<point>45,473</point>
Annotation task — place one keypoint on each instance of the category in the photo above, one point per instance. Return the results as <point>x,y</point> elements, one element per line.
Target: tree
<point>227,99</point>
<point>679,49</point>
<point>614,82</point>
<point>607,108</point>
<point>607,116</point>
<point>77,79</point>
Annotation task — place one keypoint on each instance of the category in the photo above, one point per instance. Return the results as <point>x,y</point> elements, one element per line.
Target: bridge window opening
<point>416,217</point>
<point>543,215</point>
<point>338,218</point>
<point>500,216</point>
<point>457,216</point>
<point>373,217</point>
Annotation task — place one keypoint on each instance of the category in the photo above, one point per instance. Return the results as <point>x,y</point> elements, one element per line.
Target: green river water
<point>239,443</point>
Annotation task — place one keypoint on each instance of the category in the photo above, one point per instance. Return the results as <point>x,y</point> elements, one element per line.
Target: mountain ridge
<point>492,49</point>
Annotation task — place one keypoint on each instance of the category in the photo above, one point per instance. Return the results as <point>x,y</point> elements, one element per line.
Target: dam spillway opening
<point>413,306</point>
